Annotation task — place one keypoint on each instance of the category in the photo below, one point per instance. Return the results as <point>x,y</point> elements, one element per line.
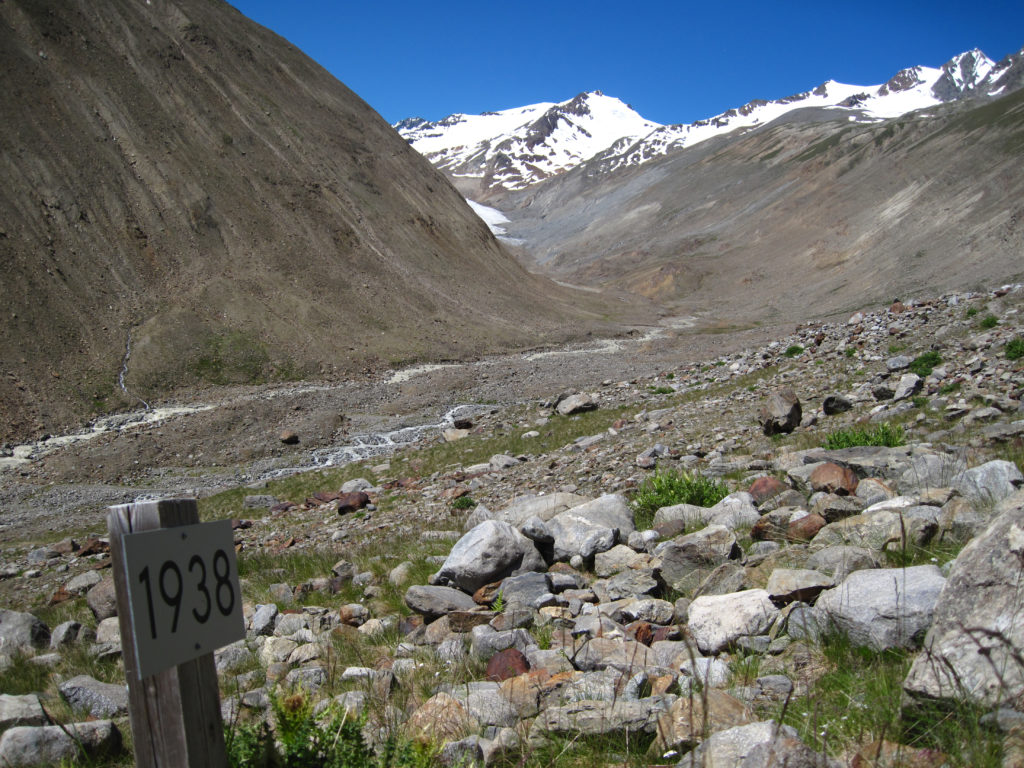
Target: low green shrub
<point>989,321</point>
<point>463,502</point>
<point>1015,348</point>
<point>923,364</point>
<point>887,435</point>
<point>793,350</point>
<point>667,487</point>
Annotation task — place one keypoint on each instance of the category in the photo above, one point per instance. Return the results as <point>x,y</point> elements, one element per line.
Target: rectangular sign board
<point>184,593</point>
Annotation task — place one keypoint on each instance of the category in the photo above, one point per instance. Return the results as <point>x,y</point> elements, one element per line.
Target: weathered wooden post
<point>177,600</point>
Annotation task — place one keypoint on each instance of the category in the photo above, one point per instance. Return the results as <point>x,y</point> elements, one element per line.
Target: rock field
<point>497,607</point>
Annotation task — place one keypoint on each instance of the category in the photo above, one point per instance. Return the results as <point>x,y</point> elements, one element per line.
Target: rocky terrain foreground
<point>516,591</point>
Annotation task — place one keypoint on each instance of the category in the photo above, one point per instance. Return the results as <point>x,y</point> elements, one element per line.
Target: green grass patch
<point>988,321</point>
<point>886,435</point>
<point>858,700</point>
<point>793,350</point>
<point>923,364</point>
<point>1015,348</point>
<point>936,552</point>
<point>665,488</point>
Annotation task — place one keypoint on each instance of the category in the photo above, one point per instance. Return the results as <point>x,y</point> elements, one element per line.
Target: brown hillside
<point>180,176</point>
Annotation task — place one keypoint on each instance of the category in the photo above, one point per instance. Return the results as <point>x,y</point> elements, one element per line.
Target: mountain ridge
<point>488,154</point>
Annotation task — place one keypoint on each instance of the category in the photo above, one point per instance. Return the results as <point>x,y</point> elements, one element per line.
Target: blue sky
<point>674,62</point>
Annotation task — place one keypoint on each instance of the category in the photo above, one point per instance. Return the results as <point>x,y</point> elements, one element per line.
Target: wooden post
<point>175,714</point>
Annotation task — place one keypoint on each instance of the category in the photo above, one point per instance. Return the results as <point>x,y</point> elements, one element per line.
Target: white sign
<point>184,593</point>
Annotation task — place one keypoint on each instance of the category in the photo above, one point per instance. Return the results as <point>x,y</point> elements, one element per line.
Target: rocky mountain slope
<point>188,199</point>
<point>515,148</point>
<point>780,210</point>
<point>797,219</point>
<point>623,626</point>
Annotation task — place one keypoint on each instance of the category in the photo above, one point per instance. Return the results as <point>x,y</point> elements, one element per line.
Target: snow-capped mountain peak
<point>515,148</point>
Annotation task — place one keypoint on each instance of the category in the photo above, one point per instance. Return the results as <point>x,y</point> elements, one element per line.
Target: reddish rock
<point>767,529</point>
<point>284,506</point>
<point>897,307</point>
<point>240,525</point>
<point>806,528</point>
<point>352,502</point>
<point>464,621</point>
<point>505,664</point>
<point>350,617</point>
<point>832,478</point>
<point>456,492</point>
<point>61,596</point>
<point>94,546</point>
<point>665,633</point>
<point>765,488</point>
<point>487,593</point>
<point>66,547</point>
<point>640,631</point>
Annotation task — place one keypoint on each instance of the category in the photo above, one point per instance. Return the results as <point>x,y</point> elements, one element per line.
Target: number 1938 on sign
<point>184,593</point>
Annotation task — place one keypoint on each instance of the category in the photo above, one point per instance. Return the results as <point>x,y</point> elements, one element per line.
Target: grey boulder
<point>86,694</point>
<point>972,649</point>
<point>489,552</point>
<point>884,608</point>
<point>21,631</point>
<point>32,747</point>
<point>716,621</point>
<point>433,602</point>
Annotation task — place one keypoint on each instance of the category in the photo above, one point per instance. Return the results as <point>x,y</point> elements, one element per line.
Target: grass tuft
<point>667,487</point>
<point>885,435</point>
<point>1015,348</point>
<point>858,700</point>
<point>923,364</point>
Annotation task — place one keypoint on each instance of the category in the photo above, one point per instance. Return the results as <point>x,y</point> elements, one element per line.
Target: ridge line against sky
<point>673,64</point>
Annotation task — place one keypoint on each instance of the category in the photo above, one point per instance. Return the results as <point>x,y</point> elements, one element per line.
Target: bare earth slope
<point>179,179</point>
<point>795,220</point>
